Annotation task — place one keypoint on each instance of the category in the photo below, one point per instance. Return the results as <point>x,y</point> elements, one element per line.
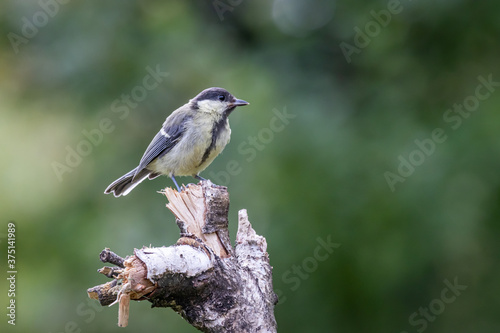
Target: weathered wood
<point>215,288</point>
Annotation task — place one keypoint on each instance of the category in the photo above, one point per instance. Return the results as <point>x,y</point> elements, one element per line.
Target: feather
<point>164,140</point>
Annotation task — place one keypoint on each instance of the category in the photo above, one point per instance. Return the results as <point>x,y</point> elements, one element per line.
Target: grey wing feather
<point>160,145</point>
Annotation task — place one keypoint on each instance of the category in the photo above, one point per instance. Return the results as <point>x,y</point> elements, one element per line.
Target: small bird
<point>189,140</point>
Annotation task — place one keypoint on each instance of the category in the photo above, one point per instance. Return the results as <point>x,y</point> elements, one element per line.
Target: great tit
<point>189,140</point>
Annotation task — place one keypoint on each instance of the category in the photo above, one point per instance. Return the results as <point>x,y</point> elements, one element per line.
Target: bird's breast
<point>219,138</point>
<point>202,141</point>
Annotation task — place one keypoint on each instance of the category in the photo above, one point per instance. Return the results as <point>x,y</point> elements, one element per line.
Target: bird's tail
<point>127,182</point>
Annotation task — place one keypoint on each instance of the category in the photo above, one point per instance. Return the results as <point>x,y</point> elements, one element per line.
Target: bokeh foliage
<point>320,175</point>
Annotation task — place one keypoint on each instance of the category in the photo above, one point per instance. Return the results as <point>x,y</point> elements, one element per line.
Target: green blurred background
<point>315,176</point>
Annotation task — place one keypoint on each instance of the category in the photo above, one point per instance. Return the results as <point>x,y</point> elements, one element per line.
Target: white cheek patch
<point>211,106</point>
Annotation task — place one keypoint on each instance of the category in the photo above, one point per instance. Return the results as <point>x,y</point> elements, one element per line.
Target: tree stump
<point>214,287</point>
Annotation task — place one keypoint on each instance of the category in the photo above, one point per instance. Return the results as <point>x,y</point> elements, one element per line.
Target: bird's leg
<point>175,182</point>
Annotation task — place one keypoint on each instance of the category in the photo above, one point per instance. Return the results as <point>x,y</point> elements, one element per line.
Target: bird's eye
<point>222,98</point>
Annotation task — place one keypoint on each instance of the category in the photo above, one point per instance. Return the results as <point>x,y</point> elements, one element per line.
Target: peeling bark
<point>214,287</point>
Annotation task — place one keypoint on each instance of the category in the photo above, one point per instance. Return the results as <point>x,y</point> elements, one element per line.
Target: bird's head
<point>216,100</point>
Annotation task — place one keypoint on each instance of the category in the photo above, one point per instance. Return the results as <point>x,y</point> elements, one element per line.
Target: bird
<point>189,140</point>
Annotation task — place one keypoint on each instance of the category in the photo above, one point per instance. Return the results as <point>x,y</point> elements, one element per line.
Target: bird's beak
<point>238,102</point>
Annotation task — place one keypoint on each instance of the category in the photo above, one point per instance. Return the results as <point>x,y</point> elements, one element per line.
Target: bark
<point>214,287</point>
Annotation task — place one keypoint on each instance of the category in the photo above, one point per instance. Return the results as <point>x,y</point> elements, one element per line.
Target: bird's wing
<point>165,139</point>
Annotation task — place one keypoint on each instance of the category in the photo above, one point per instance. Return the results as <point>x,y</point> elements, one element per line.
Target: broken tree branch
<point>214,287</point>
